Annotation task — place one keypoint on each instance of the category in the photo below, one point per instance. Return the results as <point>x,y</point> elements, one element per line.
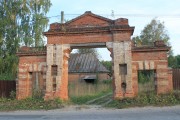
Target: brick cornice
<point>150,49</point>
<point>31,53</point>
<point>109,29</point>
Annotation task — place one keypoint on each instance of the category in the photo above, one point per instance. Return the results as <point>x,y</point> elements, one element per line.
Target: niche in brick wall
<point>37,83</point>
<point>54,74</point>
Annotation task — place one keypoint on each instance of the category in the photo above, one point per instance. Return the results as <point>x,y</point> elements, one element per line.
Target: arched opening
<point>89,73</point>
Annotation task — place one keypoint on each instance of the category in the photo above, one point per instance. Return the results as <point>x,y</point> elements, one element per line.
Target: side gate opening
<point>147,81</point>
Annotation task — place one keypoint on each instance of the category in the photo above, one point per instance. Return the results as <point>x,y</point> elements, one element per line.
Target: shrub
<point>147,99</point>
<point>29,104</point>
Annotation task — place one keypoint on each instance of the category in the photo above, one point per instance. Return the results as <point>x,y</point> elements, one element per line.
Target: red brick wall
<point>90,21</point>
<point>140,56</point>
<point>88,38</point>
<point>28,64</point>
<point>152,61</point>
<point>170,78</point>
<point>81,38</point>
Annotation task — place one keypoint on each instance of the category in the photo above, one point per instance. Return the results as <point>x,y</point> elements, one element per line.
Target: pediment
<point>89,19</point>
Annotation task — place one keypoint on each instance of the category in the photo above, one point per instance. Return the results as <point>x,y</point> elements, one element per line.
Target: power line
<point>117,15</point>
<point>134,15</point>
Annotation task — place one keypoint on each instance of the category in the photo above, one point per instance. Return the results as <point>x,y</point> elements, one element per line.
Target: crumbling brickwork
<point>57,55</point>
<point>27,65</point>
<point>152,59</point>
<point>90,30</point>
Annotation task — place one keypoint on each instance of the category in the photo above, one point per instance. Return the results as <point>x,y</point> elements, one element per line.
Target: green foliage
<point>145,76</point>
<point>153,31</point>
<point>147,99</point>
<point>83,99</point>
<point>29,104</point>
<point>174,61</point>
<point>89,50</point>
<point>13,95</point>
<point>8,67</point>
<point>108,65</point>
<point>21,23</point>
<point>37,94</point>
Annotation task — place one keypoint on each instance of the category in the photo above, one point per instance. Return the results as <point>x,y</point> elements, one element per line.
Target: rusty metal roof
<point>85,63</point>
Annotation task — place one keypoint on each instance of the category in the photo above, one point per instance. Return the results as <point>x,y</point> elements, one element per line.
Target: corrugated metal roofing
<point>85,63</point>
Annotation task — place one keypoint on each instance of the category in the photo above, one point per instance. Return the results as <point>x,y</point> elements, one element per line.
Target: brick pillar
<point>23,82</point>
<point>170,79</point>
<point>121,55</point>
<point>49,82</point>
<point>135,68</point>
<point>163,82</point>
<point>62,75</point>
<point>57,55</point>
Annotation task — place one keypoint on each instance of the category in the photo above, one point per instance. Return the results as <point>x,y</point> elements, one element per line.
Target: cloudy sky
<point>139,13</point>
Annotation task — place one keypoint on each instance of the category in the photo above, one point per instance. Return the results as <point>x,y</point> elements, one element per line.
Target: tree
<point>174,61</point>
<point>34,21</point>
<point>154,31</point>
<point>178,61</point>
<point>108,65</point>
<point>88,50</point>
<point>21,23</point>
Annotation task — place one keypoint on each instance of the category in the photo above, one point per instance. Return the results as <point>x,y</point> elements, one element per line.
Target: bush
<point>147,99</point>
<point>12,95</point>
<point>29,104</point>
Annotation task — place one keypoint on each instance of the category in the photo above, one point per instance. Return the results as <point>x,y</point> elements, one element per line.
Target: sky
<point>138,12</point>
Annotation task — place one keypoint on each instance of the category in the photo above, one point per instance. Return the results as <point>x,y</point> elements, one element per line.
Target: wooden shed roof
<point>85,63</point>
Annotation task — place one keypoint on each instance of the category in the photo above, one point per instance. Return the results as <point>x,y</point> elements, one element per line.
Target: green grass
<point>29,104</point>
<point>83,99</point>
<point>83,89</point>
<point>147,99</point>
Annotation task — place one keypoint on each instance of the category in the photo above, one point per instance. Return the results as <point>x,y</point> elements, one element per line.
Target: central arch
<point>89,30</point>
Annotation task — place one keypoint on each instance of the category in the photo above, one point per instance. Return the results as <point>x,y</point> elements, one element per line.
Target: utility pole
<point>62,16</point>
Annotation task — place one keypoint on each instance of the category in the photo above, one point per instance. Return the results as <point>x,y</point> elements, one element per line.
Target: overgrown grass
<point>83,99</point>
<point>147,99</point>
<point>29,104</point>
<point>83,89</point>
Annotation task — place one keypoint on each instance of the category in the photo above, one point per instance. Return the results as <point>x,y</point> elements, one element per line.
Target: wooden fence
<point>176,79</point>
<point>6,87</point>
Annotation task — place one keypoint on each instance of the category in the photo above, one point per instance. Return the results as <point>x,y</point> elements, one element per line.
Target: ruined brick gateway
<point>90,30</point>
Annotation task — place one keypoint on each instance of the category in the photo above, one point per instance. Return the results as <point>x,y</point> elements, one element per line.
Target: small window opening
<point>54,70</point>
<point>146,81</point>
<point>123,69</point>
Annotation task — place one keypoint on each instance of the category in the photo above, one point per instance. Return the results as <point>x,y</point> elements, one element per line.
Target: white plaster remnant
<point>152,65</point>
<point>140,63</point>
<point>146,65</point>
